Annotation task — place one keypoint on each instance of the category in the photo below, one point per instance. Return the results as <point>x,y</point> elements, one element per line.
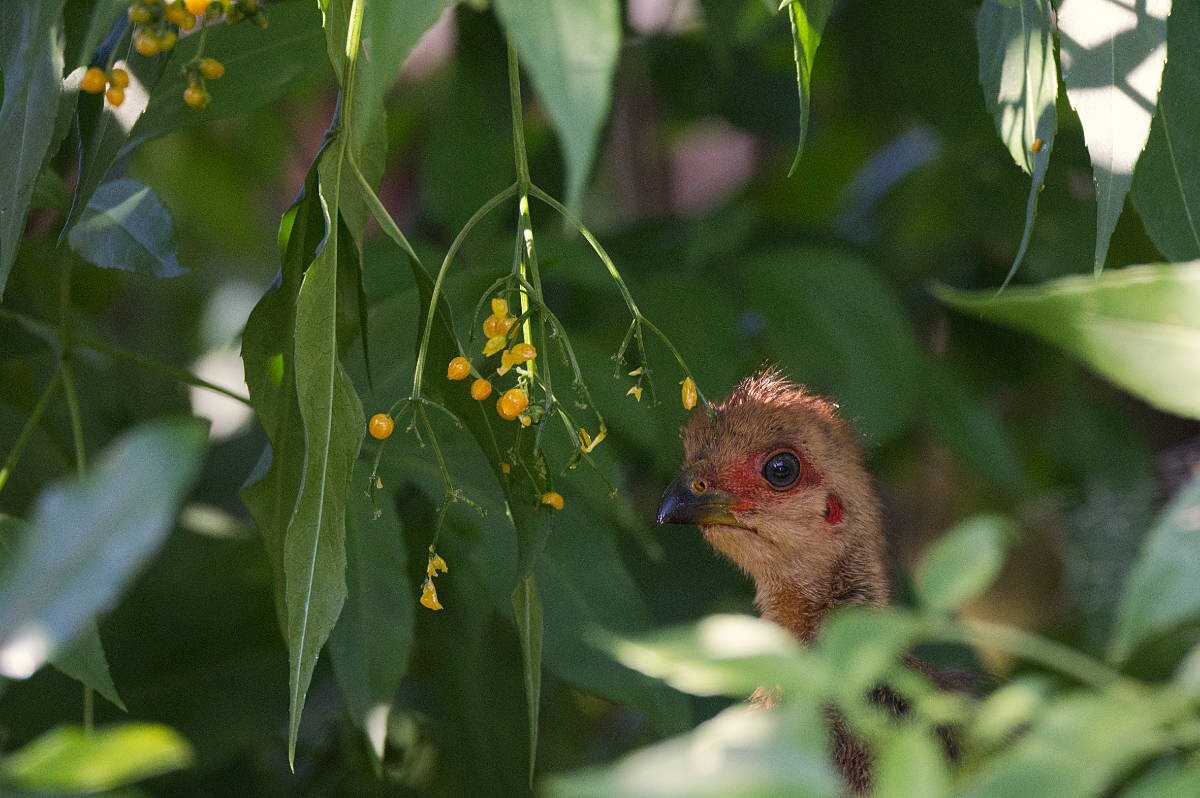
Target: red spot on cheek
<point>833,509</point>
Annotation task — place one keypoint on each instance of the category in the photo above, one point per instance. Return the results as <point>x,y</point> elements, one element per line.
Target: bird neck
<point>799,602</point>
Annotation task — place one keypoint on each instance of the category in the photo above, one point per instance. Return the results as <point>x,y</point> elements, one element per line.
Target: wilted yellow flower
<point>635,392</point>
<point>429,597</point>
<point>587,442</point>
<point>436,563</point>
<point>494,344</point>
<point>507,361</point>
<point>525,420</point>
<point>637,372</point>
<point>688,394</point>
<point>500,307</point>
<point>552,499</point>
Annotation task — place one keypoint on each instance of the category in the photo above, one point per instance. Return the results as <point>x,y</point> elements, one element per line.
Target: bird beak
<point>681,504</point>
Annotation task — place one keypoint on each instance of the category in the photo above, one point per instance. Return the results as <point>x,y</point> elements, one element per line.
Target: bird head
<point>774,480</point>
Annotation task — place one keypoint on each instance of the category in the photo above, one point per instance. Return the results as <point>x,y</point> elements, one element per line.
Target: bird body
<point>774,479</point>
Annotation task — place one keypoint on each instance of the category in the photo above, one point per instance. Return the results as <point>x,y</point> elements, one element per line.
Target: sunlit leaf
<point>86,539</point>
<point>910,762</point>
<point>69,759</point>
<point>744,751</point>
<point>1166,186</point>
<point>370,645</point>
<point>1139,327</point>
<point>1162,591</point>
<point>1020,86</point>
<point>126,226</point>
<point>31,58</point>
<point>1112,57</point>
<point>964,561</point>
<point>807,19</point>
<point>569,48</point>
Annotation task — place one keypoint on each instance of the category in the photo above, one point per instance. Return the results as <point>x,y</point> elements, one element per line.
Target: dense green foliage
<point>660,192</point>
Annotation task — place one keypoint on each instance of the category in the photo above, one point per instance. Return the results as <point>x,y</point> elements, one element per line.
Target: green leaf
<point>31,58</point>
<point>910,762</point>
<point>807,19</point>
<point>964,561</point>
<point>1078,747</point>
<point>729,655</point>
<point>69,759</point>
<point>84,661</point>
<point>87,539</point>
<point>269,361</point>
<point>570,49</point>
<point>1168,778</point>
<point>104,14</point>
<point>1166,186</point>
<point>1162,591</point>
<point>1112,58</point>
<point>370,645</point>
<point>260,65</point>
<point>1139,326</point>
<point>126,226</point>
<point>744,751</point>
<point>836,326</point>
<point>970,429</point>
<point>527,611</point>
<point>1020,86</point>
<point>314,550</point>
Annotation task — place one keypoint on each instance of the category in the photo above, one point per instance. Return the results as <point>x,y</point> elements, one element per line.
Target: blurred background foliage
<point>903,183</point>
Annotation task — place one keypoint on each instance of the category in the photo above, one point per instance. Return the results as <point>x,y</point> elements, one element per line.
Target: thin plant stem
<point>520,159</point>
<point>68,382</point>
<point>27,429</point>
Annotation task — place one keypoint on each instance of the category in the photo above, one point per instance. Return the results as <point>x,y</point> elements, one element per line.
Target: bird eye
<point>781,470</point>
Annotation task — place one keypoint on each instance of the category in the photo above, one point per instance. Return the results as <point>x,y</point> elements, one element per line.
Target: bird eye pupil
<point>781,470</point>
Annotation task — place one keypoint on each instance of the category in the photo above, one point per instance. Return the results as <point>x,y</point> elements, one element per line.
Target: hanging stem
<point>27,429</point>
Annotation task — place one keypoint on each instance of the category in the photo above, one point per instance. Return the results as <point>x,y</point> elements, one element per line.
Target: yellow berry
<point>188,22</point>
<point>139,14</point>
<point>552,499</point>
<point>196,6</point>
<point>210,68</point>
<point>119,78</point>
<point>480,390</point>
<point>429,597</point>
<point>167,39</point>
<point>494,344</point>
<point>507,361</point>
<point>511,403</point>
<point>176,13</point>
<point>523,353</point>
<point>196,97</point>
<point>458,369</point>
<point>93,81</point>
<point>493,326</point>
<point>524,419</point>
<point>115,96</point>
<point>500,307</point>
<point>381,426</point>
<point>688,394</point>
<point>146,43</point>
<point>505,468</point>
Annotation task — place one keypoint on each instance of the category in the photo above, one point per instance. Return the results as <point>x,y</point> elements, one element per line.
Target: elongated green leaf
<point>964,562</point>
<point>1162,591</point>
<point>87,539</point>
<point>744,751</point>
<point>84,660</point>
<point>527,611</point>
<point>1166,186</point>
<point>69,759</point>
<point>910,762</point>
<point>1020,86</point>
<point>1112,58</point>
<point>1074,749</point>
<point>314,550</point>
<point>269,361</point>
<point>126,226</point>
<point>104,14</point>
<point>260,65</point>
<point>569,48</point>
<point>31,58</point>
<point>1139,327</point>
<point>837,327</point>
<point>807,19</point>
<point>370,645</point>
<point>971,430</point>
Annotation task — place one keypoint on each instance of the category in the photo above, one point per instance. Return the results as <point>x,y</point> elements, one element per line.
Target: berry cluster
<point>95,80</point>
<point>498,327</point>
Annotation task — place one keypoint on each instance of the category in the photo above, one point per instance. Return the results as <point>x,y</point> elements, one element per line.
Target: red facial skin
<point>744,480</point>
